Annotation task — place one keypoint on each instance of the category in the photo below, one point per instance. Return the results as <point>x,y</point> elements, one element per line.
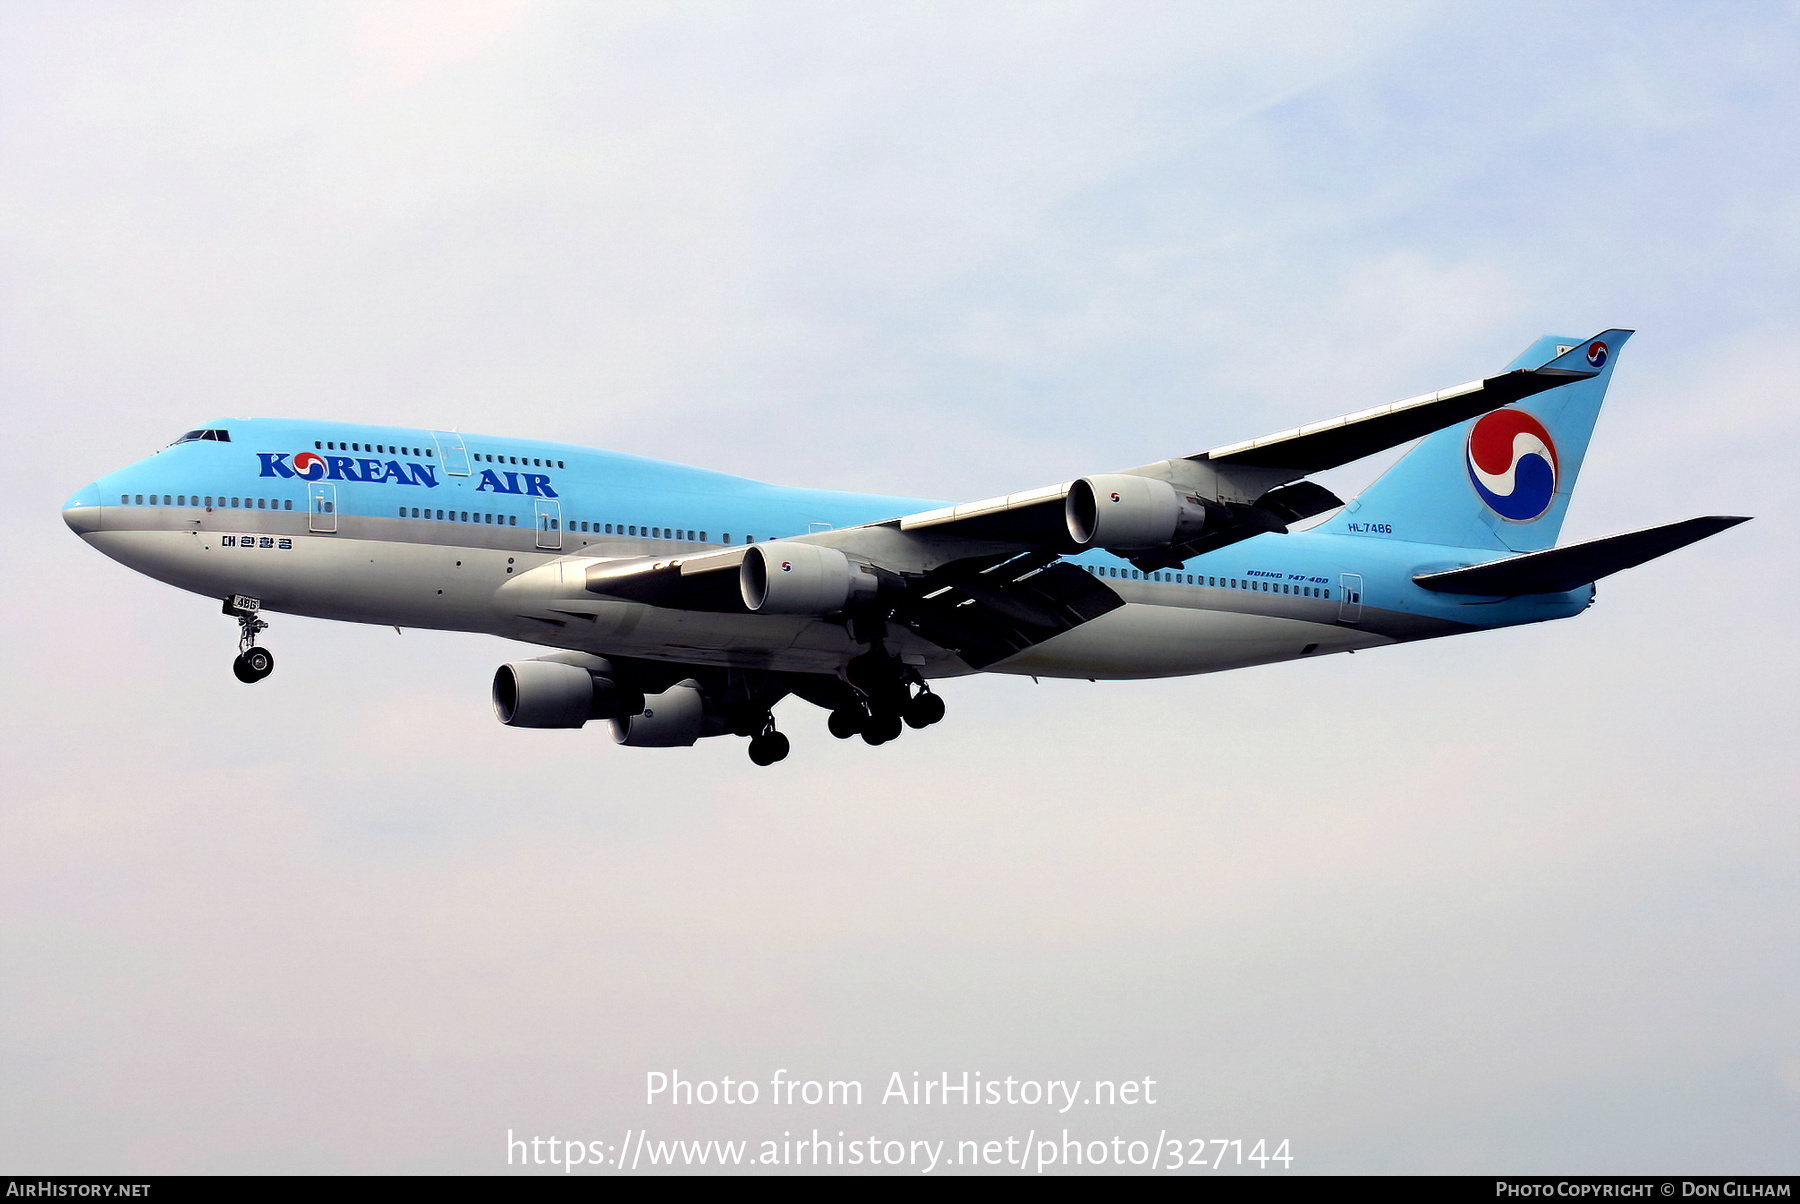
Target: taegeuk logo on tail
<point>1512,463</point>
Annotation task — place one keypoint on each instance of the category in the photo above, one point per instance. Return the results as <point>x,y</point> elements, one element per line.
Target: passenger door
<point>548,512</point>
<point>451,453</point>
<point>1350,598</point>
<point>321,508</point>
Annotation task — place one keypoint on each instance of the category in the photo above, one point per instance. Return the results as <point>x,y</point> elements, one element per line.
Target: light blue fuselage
<point>415,528</point>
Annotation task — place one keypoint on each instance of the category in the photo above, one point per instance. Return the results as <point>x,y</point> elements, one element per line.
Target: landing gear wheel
<point>252,665</point>
<point>769,748</point>
<point>881,728</point>
<point>844,724</point>
<point>923,710</point>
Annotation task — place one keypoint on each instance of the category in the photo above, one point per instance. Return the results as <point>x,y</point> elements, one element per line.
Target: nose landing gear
<point>252,663</point>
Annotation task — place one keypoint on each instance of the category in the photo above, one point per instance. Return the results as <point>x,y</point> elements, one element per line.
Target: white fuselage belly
<point>1149,639</point>
<point>1158,633</point>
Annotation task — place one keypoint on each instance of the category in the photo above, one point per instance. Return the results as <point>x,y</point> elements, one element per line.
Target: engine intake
<point>552,693</point>
<point>783,578</point>
<point>1123,511</point>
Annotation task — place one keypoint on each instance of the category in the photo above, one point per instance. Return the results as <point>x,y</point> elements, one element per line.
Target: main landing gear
<point>768,746</point>
<point>889,694</point>
<point>252,663</point>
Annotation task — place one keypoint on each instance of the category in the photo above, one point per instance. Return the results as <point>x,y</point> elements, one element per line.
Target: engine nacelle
<point>783,578</point>
<point>673,719</point>
<point>553,693</point>
<point>1123,511</point>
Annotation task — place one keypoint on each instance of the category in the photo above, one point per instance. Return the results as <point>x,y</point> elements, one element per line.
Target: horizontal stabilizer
<point>1560,569</point>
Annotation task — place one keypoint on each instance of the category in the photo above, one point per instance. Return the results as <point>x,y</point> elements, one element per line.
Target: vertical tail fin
<point>1502,480</point>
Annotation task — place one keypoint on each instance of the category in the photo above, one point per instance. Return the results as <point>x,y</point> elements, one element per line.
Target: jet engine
<point>673,719</point>
<point>1123,511</point>
<point>783,578</point>
<point>554,693</point>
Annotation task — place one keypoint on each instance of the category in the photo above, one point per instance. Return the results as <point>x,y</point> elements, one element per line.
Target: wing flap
<point>989,612</point>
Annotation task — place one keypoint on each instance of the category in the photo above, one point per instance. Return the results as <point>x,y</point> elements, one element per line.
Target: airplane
<point>684,603</point>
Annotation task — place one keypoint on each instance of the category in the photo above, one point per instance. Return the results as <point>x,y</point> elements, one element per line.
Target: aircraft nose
<point>82,512</point>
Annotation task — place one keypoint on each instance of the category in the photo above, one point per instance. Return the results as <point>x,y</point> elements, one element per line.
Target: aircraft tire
<point>881,729</point>
<point>924,711</point>
<point>769,748</point>
<point>844,724</point>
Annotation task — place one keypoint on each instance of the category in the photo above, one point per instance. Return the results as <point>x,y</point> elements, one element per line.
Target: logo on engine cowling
<point>1115,497</point>
<point>787,566</point>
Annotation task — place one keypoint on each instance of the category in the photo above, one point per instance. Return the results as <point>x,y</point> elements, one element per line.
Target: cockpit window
<point>221,436</point>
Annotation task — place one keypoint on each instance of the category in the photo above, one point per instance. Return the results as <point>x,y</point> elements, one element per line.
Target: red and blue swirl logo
<point>1512,464</point>
<point>1597,353</point>
<point>309,467</point>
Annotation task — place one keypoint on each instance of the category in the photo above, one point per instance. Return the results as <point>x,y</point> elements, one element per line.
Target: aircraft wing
<point>704,581</point>
<point>1257,485</point>
<point>1322,445</point>
<point>983,608</point>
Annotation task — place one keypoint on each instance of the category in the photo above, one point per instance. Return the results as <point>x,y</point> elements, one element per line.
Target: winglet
<point>1589,357</point>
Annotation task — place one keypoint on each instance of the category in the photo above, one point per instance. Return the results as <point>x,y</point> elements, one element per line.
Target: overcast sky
<point>1518,901</point>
